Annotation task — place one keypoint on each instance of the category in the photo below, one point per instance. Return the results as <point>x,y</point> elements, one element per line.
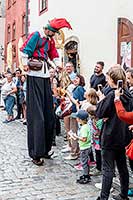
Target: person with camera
<point>36,50</point>
<point>128,118</point>
<point>115,136</point>
<point>121,112</point>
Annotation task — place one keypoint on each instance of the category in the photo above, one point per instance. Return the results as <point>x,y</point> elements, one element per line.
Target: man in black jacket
<point>115,136</point>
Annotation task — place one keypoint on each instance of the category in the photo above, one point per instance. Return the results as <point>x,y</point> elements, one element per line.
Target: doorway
<point>71,52</point>
<point>125,43</point>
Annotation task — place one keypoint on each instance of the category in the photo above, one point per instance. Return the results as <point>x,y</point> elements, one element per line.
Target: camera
<point>99,86</point>
<point>120,84</point>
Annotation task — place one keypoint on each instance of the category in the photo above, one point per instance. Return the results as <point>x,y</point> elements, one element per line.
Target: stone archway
<point>71,52</point>
<point>125,43</point>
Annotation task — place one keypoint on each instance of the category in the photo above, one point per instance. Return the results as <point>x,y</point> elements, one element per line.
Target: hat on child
<point>82,114</point>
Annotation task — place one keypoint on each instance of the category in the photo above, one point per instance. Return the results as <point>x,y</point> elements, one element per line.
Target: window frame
<point>9,3</point>
<point>23,24</point>
<point>14,50</point>
<point>13,1</point>
<point>14,32</point>
<point>41,9</point>
<point>8,33</point>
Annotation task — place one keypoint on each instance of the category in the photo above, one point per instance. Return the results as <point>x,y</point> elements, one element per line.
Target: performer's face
<point>49,33</point>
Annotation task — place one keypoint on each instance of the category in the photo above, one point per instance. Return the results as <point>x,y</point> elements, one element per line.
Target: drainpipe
<point>26,24</point>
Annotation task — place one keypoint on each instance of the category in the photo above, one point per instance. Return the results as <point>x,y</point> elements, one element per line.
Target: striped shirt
<point>39,47</point>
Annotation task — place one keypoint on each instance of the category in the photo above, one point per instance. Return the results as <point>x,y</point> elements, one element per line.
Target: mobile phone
<point>100,87</point>
<point>120,84</point>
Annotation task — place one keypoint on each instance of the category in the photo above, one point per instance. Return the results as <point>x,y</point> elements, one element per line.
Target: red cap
<point>59,23</point>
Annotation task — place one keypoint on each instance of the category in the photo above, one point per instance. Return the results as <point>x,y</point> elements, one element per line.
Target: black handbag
<point>35,65</point>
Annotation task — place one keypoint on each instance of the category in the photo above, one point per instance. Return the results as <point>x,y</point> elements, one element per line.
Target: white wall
<point>94,22</point>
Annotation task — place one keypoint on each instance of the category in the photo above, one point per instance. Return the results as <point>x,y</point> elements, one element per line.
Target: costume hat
<point>58,23</point>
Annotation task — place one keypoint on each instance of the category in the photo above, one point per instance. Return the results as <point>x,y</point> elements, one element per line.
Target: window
<point>8,33</point>
<point>9,3</point>
<point>23,24</point>
<point>13,1</point>
<point>14,31</point>
<point>43,4</point>
<point>125,43</point>
<point>14,51</point>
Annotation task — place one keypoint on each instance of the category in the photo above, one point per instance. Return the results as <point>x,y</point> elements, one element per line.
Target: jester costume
<point>40,116</point>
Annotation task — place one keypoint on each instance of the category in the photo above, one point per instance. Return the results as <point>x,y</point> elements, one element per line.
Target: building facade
<point>15,32</point>
<point>2,34</point>
<point>96,31</point>
<point>102,31</point>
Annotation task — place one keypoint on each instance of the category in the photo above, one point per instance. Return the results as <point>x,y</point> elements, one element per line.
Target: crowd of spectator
<point>97,129</point>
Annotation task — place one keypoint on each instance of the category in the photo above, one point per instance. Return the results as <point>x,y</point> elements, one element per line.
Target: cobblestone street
<point>20,179</point>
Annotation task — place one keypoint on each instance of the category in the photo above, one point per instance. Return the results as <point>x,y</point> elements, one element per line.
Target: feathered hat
<point>58,23</point>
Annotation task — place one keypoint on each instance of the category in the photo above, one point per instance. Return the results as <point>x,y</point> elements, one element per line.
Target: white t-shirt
<point>85,104</point>
<point>6,88</point>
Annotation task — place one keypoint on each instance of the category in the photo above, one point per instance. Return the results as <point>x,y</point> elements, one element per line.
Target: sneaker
<point>24,123</point>
<point>99,186</point>
<point>98,198</point>
<point>91,163</point>
<point>70,157</point>
<point>78,167</point>
<point>81,177</point>
<point>96,172</point>
<point>65,138</point>
<point>49,155</point>
<point>130,192</point>
<point>66,150</point>
<point>7,121</point>
<point>84,179</point>
<point>119,197</point>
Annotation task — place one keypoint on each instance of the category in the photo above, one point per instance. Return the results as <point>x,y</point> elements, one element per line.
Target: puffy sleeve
<point>122,113</point>
<point>30,44</point>
<point>52,53</point>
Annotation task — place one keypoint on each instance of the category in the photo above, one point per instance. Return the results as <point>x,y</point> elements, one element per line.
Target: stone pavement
<point>20,179</point>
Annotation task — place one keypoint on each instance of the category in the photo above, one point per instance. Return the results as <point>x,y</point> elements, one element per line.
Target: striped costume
<point>40,116</point>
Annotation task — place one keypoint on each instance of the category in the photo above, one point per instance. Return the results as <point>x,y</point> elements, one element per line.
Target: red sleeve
<point>52,53</point>
<point>122,113</point>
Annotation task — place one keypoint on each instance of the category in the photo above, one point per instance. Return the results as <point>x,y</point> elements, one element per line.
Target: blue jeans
<point>9,104</point>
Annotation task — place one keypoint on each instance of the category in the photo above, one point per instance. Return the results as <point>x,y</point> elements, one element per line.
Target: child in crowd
<point>95,125</point>
<point>91,100</point>
<point>84,139</point>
